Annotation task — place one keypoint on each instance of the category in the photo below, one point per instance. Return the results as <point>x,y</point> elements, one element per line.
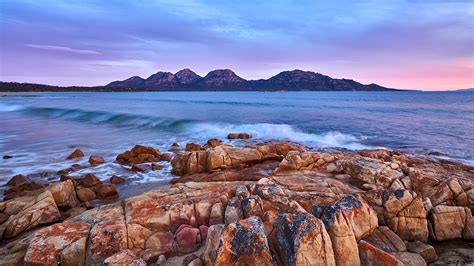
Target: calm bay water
<point>41,131</point>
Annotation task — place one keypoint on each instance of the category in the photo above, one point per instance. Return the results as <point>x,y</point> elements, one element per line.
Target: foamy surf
<point>199,130</point>
<point>9,107</point>
<point>265,131</point>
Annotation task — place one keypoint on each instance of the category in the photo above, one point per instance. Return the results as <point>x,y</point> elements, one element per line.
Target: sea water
<point>40,131</point>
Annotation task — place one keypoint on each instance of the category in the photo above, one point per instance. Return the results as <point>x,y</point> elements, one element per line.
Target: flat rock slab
<point>63,244</point>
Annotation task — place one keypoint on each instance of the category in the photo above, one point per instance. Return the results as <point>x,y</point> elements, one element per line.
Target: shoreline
<point>16,95</point>
<point>198,90</point>
<point>261,188</point>
<point>184,91</point>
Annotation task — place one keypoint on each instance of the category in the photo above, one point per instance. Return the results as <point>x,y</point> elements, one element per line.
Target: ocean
<point>40,131</point>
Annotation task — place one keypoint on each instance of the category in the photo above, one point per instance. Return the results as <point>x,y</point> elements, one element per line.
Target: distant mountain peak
<point>222,73</point>
<point>133,82</point>
<point>187,76</point>
<point>185,71</point>
<point>297,71</point>
<point>161,74</point>
<point>221,79</point>
<point>135,78</point>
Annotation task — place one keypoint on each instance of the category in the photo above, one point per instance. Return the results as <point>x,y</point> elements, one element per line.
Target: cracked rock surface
<point>263,204</point>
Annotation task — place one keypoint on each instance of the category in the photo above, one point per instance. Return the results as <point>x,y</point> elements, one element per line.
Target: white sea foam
<point>279,132</point>
<point>9,107</point>
<point>454,159</point>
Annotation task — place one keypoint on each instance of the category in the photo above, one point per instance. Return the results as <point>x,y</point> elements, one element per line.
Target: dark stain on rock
<point>398,193</point>
<point>327,212</point>
<point>246,239</point>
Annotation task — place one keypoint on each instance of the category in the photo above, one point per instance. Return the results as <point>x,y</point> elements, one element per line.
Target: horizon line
<point>217,69</point>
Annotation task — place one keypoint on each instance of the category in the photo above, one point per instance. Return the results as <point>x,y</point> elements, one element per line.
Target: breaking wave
<point>9,107</point>
<point>107,118</point>
<point>195,128</point>
<point>280,132</point>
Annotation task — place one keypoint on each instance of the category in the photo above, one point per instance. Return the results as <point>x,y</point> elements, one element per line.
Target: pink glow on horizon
<point>431,76</point>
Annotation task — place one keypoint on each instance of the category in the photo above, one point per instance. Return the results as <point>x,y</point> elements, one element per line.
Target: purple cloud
<point>62,49</point>
<point>113,40</point>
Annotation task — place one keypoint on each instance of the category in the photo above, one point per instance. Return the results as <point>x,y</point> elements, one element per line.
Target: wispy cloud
<point>63,49</point>
<point>124,63</point>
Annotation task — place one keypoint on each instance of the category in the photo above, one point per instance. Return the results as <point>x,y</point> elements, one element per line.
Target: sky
<point>407,44</point>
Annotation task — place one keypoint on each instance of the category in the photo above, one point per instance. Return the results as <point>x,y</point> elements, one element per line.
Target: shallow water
<point>41,131</point>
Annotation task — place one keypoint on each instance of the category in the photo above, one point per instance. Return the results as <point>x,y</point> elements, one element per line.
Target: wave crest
<point>200,130</point>
<point>9,107</point>
<point>109,118</point>
<point>280,132</point>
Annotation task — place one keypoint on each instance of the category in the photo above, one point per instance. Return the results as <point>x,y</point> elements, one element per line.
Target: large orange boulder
<point>449,222</point>
<point>373,256</point>
<point>139,154</point>
<point>426,251</point>
<point>242,156</point>
<point>274,150</point>
<point>301,239</point>
<point>243,243</point>
<point>63,243</point>
<point>148,212</point>
<point>386,239</point>
<point>405,214</point>
<point>137,236</point>
<point>403,211</point>
<point>108,235</point>
<point>64,194</point>
<point>217,159</point>
<point>42,210</point>
<point>347,221</point>
<point>124,257</point>
<point>371,171</point>
<point>222,157</point>
<point>182,213</point>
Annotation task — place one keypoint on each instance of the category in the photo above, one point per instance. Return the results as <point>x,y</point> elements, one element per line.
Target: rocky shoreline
<point>267,203</point>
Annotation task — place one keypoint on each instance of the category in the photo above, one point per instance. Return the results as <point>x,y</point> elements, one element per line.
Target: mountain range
<point>226,79</point>
<point>216,80</point>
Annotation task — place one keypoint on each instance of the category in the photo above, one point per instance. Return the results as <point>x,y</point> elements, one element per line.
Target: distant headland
<point>216,80</point>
